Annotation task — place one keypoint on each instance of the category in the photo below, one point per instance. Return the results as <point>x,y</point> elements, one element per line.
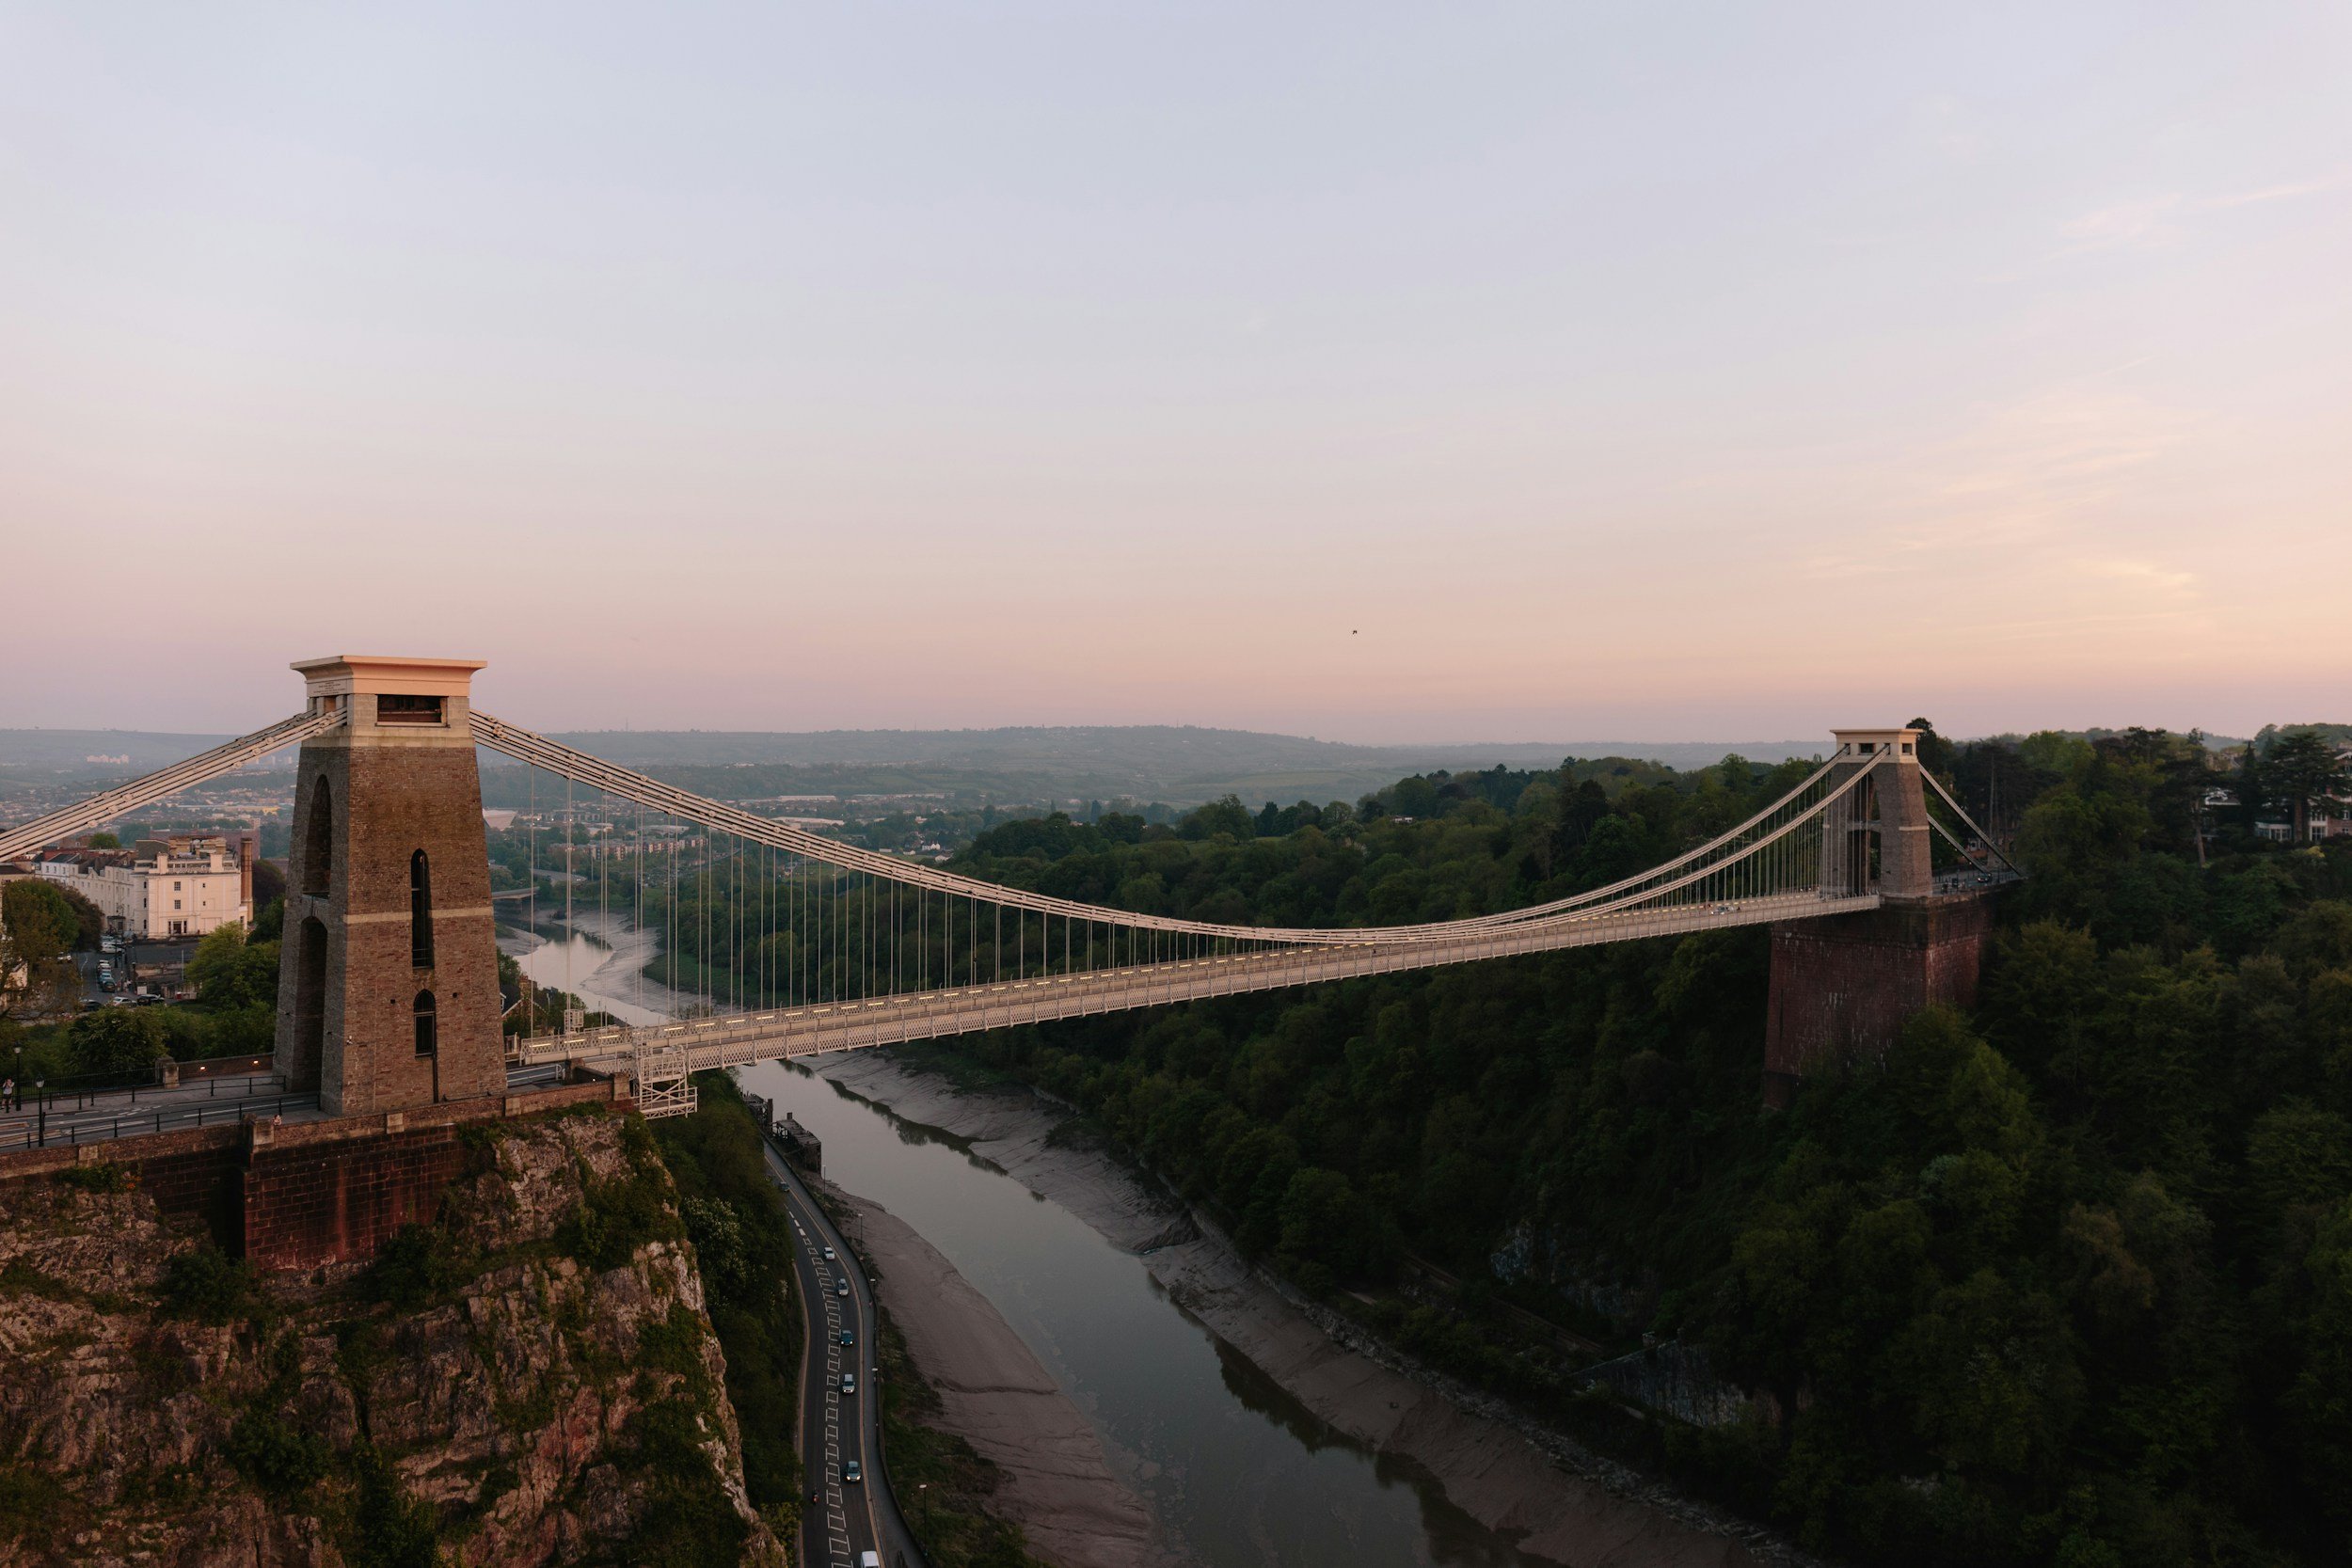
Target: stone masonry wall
<point>389,800</point>
<point>1842,987</point>
<point>307,1194</point>
<point>303,1206</point>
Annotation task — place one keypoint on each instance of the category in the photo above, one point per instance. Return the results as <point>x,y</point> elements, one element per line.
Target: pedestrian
<point>7,1095</point>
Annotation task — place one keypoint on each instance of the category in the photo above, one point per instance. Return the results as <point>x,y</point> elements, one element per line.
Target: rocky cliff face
<point>531,1380</point>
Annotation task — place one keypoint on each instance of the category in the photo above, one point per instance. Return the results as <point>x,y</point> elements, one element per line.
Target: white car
<point>848,1383</point>
<point>840,1286</point>
<point>828,1255</point>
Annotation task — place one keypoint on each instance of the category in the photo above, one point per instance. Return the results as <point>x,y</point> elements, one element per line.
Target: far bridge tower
<point>1842,986</point>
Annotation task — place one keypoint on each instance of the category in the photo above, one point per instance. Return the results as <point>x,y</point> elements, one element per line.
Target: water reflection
<point>1235,1470</point>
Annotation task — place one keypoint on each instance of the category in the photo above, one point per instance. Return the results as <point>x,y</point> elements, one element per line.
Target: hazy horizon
<point>1378,372</point>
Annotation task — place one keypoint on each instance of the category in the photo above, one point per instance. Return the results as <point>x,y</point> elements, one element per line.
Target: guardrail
<point>45,1126</point>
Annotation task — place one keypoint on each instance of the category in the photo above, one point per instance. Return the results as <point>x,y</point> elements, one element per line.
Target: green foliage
<point>207,1284</point>
<point>391,1528</point>
<point>419,1263</point>
<point>119,1041</point>
<point>269,1451</point>
<point>44,921</point>
<point>614,1218</point>
<point>742,1240</point>
<point>2300,772</point>
<point>38,927</point>
<point>229,971</point>
<point>103,1177</point>
<point>2068,1279</point>
<point>687,1520</point>
<point>950,1478</point>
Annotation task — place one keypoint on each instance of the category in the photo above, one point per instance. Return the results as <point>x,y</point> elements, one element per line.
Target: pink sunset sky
<point>1375,373</point>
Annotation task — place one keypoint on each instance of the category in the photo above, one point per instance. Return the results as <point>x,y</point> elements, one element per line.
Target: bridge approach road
<point>848,1517</point>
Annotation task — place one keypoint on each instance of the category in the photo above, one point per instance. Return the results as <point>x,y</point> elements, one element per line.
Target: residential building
<point>179,886</point>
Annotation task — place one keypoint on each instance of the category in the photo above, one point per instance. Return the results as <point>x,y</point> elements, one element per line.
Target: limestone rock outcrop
<point>531,1380</point>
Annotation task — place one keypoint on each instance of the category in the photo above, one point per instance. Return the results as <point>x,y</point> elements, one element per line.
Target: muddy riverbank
<point>1559,1504</point>
<point>996,1395</point>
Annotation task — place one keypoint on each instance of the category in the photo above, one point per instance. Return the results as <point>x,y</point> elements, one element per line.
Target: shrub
<point>417,1263</point>
<point>207,1285</point>
<point>615,1218</point>
<point>98,1178</point>
<point>274,1456</point>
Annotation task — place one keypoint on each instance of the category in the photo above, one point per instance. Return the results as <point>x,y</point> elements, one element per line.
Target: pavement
<point>846,1518</point>
<point>101,1116</point>
<point>74,1119</point>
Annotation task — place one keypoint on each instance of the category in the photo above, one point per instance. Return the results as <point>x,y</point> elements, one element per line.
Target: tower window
<point>428,1025</point>
<point>394,709</point>
<point>318,841</point>
<point>419,912</point>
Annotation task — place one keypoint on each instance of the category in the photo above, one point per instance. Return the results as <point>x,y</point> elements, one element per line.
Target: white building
<point>179,886</point>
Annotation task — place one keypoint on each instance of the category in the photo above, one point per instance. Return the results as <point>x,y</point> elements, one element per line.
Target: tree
<point>38,928</point>
<point>39,920</point>
<point>116,1040</point>
<point>1935,753</point>
<point>230,971</point>
<point>2302,769</point>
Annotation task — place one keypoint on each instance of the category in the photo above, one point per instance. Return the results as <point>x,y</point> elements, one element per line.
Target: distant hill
<point>1176,763</point>
<point>99,753</point>
<point>1180,765</point>
<point>2339,734</point>
<point>1138,753</point>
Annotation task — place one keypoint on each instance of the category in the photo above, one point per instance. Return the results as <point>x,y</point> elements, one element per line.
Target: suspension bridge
<point>390,1000</point>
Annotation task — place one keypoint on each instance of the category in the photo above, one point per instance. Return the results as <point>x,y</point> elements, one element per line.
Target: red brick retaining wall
<point>295,1196</point>
<point>1842,987</point>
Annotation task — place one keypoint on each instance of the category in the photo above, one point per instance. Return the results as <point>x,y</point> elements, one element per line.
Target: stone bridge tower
<point>387,986</point>
<point>1842,987</point>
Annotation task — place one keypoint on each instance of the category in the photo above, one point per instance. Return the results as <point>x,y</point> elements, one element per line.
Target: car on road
<point>848,1383</point>
<point>869,1560</point>
<point>848,1336</point>
<point>841,1287</point>
<point>850,1472</point>
<point>828,1255</point>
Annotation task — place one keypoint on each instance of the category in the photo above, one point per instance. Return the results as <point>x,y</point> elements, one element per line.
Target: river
<point>1236,1472</point>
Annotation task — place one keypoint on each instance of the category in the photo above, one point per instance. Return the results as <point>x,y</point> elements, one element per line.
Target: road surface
<point>848,1517</point>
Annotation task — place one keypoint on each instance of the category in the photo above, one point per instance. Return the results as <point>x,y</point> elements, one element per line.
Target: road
<point>837,1428</point>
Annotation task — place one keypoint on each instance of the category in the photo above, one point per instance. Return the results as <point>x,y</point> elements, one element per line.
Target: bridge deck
<point>740,1039</point>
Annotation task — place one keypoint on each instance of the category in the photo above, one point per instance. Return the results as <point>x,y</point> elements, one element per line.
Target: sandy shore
<point>1558,1501</point>
<point>995,1395</point>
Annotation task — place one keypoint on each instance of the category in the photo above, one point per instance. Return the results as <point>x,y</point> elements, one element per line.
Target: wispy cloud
<point>2168,581</point>
<point>2148,221</point>
<point>2155,220</point>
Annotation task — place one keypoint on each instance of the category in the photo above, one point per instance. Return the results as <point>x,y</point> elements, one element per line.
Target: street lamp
<point>923,1489</point>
